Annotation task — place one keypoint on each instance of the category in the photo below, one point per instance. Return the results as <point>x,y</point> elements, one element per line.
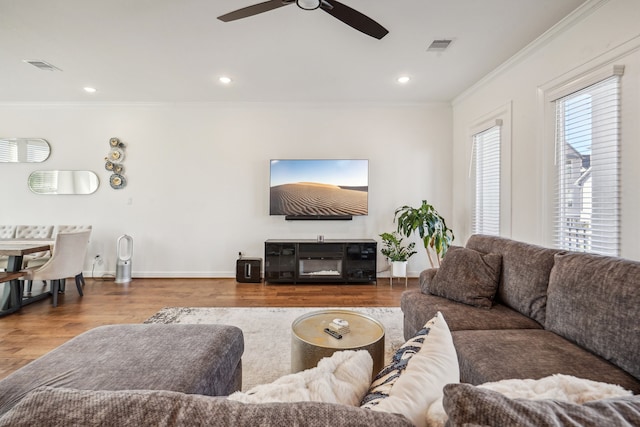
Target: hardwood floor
<point>39,328</point>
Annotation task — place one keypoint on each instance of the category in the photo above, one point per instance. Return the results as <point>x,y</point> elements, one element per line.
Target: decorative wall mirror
<point>24,150</point>
<point>63,182</point>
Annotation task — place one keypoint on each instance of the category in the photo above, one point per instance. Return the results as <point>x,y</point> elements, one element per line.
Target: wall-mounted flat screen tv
<point>319,188</point>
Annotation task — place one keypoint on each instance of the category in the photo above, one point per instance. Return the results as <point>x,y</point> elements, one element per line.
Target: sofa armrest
<point>62,406</point>
<point>426,276</point>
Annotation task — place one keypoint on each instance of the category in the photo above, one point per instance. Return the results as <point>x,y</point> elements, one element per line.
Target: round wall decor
<point>113,163</point>
<point>117,181</point>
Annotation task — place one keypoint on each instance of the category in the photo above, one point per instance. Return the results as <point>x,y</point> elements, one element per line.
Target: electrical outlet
<point>98,259</point>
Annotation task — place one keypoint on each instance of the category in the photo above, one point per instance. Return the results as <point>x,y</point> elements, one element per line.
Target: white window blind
<point>587,205</point>
<point>486,153</point>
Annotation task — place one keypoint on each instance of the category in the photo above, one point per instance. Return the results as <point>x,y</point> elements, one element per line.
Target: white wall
<point>606,31</point>
<point>198,175</point>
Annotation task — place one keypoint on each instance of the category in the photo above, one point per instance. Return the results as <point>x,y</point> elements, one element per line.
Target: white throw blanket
<point>342,378</point>
<point>565,388</point>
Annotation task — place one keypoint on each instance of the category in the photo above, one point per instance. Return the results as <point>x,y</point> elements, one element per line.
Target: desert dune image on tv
<point>319,187</point>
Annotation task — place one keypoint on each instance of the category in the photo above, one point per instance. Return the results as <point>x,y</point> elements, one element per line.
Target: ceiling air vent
<point>42,65</point>
<point>439,45</point>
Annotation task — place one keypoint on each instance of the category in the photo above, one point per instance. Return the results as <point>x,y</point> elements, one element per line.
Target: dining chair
<point>34,232</point>
<point>66,261</point>
<point>6,232</point>
<point>40,260</point>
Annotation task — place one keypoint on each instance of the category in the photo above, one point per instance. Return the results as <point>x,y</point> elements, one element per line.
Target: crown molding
<point>561,27</point>
<point>223,104</point>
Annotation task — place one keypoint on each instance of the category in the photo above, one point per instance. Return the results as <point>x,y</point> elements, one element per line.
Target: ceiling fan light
<point>308,4</point>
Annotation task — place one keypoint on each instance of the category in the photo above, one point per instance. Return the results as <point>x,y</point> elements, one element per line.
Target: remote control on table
<point>333,333</point>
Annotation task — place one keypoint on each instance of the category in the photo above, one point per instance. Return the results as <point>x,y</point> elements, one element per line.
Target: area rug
<point>267,333</point>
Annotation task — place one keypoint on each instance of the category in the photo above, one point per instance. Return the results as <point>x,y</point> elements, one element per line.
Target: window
<point>486,153</point>
<point>587,203</point>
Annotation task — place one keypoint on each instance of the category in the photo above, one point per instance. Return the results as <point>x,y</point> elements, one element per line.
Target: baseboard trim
<point>203,274</point>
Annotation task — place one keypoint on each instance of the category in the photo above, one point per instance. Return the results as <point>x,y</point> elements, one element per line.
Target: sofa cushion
<point>418,308</point>
<point>594,301</point>
<point>468,276</point>
<point>525,273</point>
<point>486,356</point>
<point>203,359</point>
<point>343,378</point>
<point>469,405</point>
<point>417,374</point>
<point>48,406</point>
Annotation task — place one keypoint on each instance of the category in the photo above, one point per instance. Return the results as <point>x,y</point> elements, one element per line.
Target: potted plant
<point>429,225</point>
<point>397,253</point>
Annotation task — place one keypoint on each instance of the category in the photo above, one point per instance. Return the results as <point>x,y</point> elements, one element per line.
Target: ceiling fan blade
<point>353,18</point>
<point>255,9</point>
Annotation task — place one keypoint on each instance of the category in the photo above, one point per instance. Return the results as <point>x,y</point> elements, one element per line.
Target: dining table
<point>11,291</point>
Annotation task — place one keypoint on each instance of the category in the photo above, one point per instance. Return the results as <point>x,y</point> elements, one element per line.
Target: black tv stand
<point>318,217</point>
<point>310,261</point>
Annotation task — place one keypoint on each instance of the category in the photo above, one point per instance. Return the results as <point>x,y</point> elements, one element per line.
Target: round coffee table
<point>310,342</point>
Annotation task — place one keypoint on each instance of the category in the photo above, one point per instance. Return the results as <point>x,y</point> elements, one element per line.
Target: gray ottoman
<point>194,359</point>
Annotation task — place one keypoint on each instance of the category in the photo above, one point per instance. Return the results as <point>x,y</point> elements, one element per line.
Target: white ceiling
<point>174,50</point>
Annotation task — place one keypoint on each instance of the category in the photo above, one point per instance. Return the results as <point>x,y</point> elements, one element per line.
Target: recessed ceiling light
<point>90,89</point>
<point>403,79</point>
<point>225,80</point>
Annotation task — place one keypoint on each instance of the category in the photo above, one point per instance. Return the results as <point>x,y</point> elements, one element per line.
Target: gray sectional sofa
<point>530,312</point>
<point>553,312</point>
<point>155,375</point>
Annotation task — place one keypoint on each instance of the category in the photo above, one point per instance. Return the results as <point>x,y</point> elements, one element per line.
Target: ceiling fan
<point>334,8</point>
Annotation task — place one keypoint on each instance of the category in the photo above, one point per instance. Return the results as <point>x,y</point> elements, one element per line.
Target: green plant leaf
<point>428,224</point>
<point>393,248</point>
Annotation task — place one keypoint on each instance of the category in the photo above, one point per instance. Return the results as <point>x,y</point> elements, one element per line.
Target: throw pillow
<point>468,276</point>
<point>342,378</point>
<point>387,377</point>
<point>467,404</point>
<point>418,372</point>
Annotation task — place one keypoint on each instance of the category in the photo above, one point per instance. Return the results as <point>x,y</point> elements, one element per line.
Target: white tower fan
<point>124,254</point>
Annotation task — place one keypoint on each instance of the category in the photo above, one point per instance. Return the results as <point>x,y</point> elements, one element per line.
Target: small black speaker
<point>248,270</point>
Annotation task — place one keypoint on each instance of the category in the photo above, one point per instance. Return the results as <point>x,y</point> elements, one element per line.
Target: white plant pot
<point>399,268</point>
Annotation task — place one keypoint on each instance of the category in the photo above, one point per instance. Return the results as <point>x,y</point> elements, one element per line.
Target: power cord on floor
<point>104,278</point>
